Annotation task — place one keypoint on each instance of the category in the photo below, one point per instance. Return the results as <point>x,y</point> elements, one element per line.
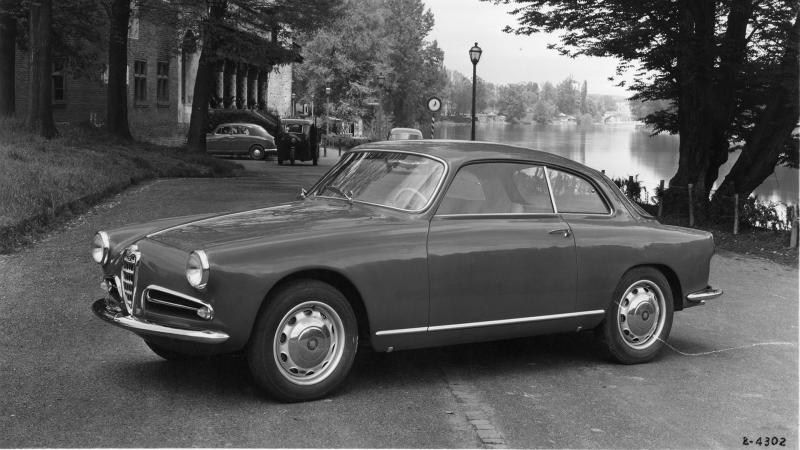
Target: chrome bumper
<point>113,314</point>
<point>701,296</point>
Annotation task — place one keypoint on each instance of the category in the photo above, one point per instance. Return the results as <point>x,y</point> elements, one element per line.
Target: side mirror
<point>303,194</point>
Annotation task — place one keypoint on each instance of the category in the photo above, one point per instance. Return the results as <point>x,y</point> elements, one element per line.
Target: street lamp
<point>474,56</point>
<point>327,119</point>
<point>294,104</point>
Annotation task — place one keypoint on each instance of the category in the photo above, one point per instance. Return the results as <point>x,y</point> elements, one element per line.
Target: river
<point>621,150</point>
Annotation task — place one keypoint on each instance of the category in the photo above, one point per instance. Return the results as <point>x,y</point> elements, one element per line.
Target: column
<point>263,84</point>
<point>252,88</point>
<point>241,87</point>
<point>219,84</point>
<point>230,85</point>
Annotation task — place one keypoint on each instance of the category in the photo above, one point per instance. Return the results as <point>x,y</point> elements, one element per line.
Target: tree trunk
<point>732,53</point>
<point>198,123</point>
<point>8,38</point>
<point>34,61</point>
<point>41,118</point>
<point>774,127</point>
<point>117,96</point>
<point>695,64</point>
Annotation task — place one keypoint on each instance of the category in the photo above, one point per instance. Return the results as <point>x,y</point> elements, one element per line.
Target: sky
<point>508,58</point>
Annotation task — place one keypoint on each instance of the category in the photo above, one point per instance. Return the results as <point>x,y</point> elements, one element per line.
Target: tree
<point>704,56</point>
<point>40,109</point>
<point>117,92</point>
<point>511,103</point>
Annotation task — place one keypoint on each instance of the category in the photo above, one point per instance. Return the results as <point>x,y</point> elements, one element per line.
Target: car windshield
<point>394,180</point>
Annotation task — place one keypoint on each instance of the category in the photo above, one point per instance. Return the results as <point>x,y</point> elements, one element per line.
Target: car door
<point>221,140</point>
<point>497,251</point>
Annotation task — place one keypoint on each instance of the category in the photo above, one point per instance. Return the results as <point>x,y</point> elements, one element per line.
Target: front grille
<point>130,260</point>
<point>163,301</point>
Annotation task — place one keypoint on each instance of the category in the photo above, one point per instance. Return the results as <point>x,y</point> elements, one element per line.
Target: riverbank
<point>43,183</point>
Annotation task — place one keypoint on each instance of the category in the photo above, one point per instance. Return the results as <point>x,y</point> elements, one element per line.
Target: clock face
<point>434,104</point>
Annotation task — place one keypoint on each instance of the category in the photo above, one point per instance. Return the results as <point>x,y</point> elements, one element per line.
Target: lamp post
<point>474,56</point>
<point>294,104</point>
<point>328,118</point>
<point>381,83</point>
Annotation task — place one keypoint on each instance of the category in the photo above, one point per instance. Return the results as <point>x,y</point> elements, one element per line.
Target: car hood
<point>275,222</point>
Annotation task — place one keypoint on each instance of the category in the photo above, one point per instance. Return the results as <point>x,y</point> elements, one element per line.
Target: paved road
<point>69,380</point>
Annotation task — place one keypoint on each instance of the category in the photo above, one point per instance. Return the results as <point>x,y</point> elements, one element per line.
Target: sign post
<point>434,105</point>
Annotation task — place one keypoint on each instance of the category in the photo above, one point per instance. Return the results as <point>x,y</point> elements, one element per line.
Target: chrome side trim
<point>550,189</point>
<point>402,331</point>
<point>143,327</point>
<point>490,323</point>
<point>703,295</point>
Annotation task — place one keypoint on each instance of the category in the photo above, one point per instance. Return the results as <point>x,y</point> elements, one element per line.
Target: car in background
<point>299,141</point>
<point>401,134</point>
<point>405,245</point>
<point>240,139</point>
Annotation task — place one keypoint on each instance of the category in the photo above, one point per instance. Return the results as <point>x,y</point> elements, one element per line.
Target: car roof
<point>239,124</point>
<point>457,152</point>
<point>296,121</point>
<point>405,130</point>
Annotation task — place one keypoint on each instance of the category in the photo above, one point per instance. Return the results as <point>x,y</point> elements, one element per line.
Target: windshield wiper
<point>337,190</point>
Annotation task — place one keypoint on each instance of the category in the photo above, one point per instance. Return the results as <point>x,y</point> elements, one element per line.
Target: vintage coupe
<point>405,244</point>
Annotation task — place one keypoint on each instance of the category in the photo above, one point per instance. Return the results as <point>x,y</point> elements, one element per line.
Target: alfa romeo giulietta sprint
<point>403,245</point>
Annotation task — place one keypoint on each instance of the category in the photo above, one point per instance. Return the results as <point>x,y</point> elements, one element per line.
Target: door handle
<point>564,232</point>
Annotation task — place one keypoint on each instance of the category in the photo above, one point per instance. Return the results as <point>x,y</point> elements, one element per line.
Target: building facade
<point>160,80</point>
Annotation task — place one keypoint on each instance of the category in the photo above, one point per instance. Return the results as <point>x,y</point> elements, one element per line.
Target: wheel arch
<point>338,281</point>
<point>672,279</point>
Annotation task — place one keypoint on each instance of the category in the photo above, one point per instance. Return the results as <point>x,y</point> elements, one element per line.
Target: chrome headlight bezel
<point>197,270</point>
<point>101,247</point>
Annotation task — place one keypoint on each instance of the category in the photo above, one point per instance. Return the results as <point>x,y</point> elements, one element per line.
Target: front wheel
<point>639,319</point>
<point>304,341</point>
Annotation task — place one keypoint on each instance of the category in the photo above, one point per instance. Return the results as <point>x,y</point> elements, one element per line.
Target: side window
<point>498,188</point>
<point>223,130</point>
<point>574,194</point>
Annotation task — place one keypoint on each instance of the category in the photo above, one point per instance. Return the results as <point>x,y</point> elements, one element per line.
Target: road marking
<point>478,415</point>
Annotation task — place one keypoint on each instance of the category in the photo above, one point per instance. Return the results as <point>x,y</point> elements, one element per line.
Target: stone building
<point>161,74</point>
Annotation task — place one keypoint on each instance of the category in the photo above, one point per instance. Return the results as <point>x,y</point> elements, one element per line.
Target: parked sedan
<point>399,134</point>
<point>240,139</point>
<point>405,245</point>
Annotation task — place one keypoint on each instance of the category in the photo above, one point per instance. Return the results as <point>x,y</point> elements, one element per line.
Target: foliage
<point>631,187</point>
<point>714,62</point>
<point>757,214</point>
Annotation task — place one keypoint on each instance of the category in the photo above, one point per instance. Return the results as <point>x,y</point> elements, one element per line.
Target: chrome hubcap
<point>309,343</point>
<point>640,317</point>
<point>256,153</point>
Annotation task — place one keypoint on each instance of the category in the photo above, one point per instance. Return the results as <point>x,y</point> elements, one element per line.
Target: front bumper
<point>700,297</point>
<point>111,312</point>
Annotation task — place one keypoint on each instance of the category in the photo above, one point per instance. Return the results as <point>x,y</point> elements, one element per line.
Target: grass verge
<point>43,183</point>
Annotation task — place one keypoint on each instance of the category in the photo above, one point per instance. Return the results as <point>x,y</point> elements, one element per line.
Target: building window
<point>58,84</point>
<point>140,81</point>
<point>162,88</point>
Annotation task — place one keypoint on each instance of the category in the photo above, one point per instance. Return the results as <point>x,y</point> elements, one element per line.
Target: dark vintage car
<point>299,141</point>
<point>240,139</point>
<point>404,245</point>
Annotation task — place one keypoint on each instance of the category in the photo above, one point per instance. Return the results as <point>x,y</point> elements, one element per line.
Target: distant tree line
<point>527,101</point>
<point>724,74</point>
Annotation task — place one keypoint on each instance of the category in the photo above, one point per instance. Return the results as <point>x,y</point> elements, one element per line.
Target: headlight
<point>100,247</point>
<point>197,270</point>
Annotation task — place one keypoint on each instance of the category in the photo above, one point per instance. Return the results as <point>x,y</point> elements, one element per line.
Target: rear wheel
<point>639,318</point>
<point>304,341</point>
<point>257,152</point>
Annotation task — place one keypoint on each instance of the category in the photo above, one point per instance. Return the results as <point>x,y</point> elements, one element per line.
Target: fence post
<point>736,214</point>
<point>691,206</point>
<point>661,198</point>
<point>339,142</point>
<point>325,148</point>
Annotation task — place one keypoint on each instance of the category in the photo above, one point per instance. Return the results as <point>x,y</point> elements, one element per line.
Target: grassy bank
<point>43,183</point>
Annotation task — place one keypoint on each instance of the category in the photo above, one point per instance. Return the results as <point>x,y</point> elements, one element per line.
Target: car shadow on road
<point>229,376</point>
